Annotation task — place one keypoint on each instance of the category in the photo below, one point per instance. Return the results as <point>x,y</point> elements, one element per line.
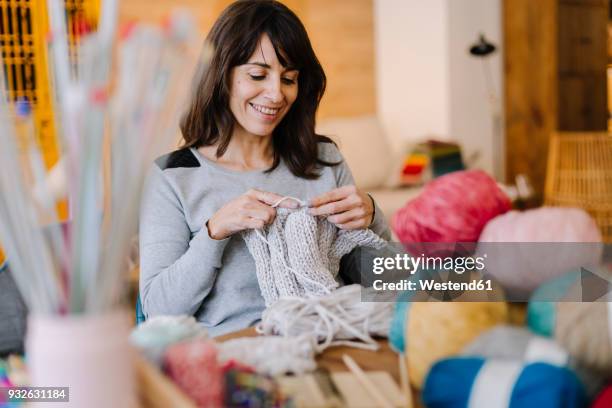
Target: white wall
<point>411,41</point>
<point>427,83</point>
<point>472,109</point>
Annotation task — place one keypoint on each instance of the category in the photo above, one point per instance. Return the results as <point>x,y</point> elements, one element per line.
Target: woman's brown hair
<point>234,37</point>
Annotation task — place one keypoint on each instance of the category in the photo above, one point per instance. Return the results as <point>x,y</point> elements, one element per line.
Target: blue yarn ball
<point>538,385</point>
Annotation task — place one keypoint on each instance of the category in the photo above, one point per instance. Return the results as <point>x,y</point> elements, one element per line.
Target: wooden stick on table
<point>365,381</point>
<point>405,382</point>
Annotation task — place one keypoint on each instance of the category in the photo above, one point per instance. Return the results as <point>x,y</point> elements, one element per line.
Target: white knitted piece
<point>271,355</point>
<point>298,255</point>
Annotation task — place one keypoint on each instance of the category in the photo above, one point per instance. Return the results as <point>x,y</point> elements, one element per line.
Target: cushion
<point>390,200</point>
<point>364,145</point>
<point>13,314</point>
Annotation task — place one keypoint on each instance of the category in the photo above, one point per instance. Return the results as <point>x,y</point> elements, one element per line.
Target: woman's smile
<point>265,112</point>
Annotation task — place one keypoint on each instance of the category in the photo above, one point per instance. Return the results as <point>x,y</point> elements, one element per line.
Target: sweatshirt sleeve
<point>345,177</point>
<point>177,271</point>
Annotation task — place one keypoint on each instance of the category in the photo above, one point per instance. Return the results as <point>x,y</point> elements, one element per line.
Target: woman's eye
<point>257,77</point>
<point>288,81</point>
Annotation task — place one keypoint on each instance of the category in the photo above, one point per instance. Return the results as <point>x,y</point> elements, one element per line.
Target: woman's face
<point>262,90</point>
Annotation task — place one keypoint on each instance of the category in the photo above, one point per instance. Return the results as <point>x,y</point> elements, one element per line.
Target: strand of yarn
<point>270,355</point>
<point>300,202</point>
<point>329,320</point>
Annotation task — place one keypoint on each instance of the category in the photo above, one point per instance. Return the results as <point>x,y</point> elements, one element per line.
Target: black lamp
<point>483,50</point>
<point>482,47</point>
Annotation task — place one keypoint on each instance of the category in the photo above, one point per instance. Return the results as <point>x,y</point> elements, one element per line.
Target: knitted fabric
<point>299,254</point>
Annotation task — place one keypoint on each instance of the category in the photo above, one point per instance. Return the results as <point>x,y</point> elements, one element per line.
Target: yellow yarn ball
<point>437,330</point>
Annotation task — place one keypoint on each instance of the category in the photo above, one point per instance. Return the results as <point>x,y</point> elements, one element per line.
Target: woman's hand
<point>251,210</point>
<point>347,207</point>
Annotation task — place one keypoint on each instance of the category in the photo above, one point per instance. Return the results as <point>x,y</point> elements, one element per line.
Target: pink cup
<point>89,354</point>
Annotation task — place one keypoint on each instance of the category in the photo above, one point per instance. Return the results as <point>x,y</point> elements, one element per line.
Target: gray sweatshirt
<point>182,269</point>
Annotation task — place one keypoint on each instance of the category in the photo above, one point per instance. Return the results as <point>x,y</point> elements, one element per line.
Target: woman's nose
<point>274,91</point>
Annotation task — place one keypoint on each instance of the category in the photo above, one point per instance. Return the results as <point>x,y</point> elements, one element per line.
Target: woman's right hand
<point>251,210</point>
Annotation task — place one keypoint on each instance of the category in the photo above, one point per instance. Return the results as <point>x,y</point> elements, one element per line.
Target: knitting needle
<point>57,22</point>
<point>44,199</point>
<point>154,112</point>
<point>405,382</point>
<point>366,382</point>
<point>19,227</point>
<point>18,219</point>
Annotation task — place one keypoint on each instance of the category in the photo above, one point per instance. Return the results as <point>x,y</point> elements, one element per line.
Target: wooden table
<point>157,391</point>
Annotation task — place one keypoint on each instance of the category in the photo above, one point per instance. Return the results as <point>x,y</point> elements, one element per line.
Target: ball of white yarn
<point>338,318</point>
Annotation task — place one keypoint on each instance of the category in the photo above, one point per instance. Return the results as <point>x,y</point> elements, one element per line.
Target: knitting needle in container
<point>404,380</point>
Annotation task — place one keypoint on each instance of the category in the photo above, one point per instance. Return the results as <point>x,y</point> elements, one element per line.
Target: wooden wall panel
<point>555,77</point>
<point>153,12</point>
<point>530,68</point>
<point>582,102</point>
<point>582,45</point>
<point>341,32</point>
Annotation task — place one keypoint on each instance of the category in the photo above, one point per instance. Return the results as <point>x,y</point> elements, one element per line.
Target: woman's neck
<point>245,152</point>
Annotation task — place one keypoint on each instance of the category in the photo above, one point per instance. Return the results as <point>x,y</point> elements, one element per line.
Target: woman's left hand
<point>347,207</point>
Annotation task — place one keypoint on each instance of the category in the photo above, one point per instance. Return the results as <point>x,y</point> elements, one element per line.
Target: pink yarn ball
<point>451,208</point>
<point>544,224</point>
<point>523,265</point>
<point>194,368</point>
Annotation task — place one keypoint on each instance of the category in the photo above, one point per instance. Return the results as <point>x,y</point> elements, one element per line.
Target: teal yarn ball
<point>542,310</point>
<point>397,329</point>
<point>403,302</point>
<point>541,317</point>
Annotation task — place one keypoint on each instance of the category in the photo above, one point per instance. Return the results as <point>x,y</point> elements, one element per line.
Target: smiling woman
<point>264,64</point>
<point>249,141</point>
<point>263,91</point>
